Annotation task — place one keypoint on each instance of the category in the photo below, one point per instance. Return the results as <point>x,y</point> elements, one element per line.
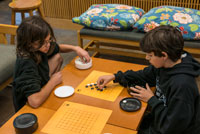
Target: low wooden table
<point>120,122</point>
<point>44,114</point>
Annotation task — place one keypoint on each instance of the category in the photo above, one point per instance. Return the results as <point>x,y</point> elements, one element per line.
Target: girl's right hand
<point>56,78</point>
<point>103,80</point>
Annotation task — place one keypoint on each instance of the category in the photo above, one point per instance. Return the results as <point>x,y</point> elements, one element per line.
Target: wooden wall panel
<point>67,9</point>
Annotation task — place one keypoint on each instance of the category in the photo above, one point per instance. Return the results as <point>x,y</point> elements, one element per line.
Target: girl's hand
<point>82,54</point>
<point>103,80</point>
<point>56,78</point>
<point>142,93</point>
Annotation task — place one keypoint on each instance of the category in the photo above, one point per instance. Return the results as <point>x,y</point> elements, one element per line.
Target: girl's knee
<point>59,58</point>
<point>55,64</point>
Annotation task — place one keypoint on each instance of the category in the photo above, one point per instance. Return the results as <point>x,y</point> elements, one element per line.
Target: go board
<point>110,93</point>
<point>74,118</point>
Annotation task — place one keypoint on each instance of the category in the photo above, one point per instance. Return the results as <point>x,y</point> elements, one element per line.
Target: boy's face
<point>156,61</point>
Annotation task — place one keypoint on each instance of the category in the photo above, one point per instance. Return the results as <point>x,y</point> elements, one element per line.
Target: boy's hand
<point>56,78</point>
<point>103,80</point>
<point>142,93</point>
<point>82,54</point>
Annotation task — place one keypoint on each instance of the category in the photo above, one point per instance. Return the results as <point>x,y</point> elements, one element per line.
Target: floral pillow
<point>109,17</point>
<point>188,20</point>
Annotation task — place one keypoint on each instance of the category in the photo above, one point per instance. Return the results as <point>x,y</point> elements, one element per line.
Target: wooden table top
<point>73,77</point>
<point>120,122</point>
<point>44,114</point>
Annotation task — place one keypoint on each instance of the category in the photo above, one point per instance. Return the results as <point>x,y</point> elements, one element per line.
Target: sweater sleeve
<point>27,80</point>
<point>177,114</point>
<point>148,75</point>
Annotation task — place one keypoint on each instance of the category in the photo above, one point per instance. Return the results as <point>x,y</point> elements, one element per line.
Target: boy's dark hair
<point>32,30</point>
<point>163,39</point>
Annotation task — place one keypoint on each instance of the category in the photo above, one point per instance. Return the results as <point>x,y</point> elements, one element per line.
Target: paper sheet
<point>74,118</point>
<point>110,93</point>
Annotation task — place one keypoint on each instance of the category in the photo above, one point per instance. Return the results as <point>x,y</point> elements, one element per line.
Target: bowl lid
<point>130,104</point>
<point>25,120</point>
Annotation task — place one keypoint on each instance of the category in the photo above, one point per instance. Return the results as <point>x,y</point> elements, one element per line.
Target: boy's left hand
<point>142,93</point>
<point>83,54</point>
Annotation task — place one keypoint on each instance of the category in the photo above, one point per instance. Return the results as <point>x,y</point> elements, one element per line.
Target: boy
<point>175,104</point>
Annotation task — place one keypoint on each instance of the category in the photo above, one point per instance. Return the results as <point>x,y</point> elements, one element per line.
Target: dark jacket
<point>175,106</point>
<point>30,77</point>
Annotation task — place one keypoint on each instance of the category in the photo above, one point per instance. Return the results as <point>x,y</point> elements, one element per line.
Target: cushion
<point>123,35</point>
<point>7,62</point>
<point>133,35</point>
<point>109,17</point>
<point>188,20</point>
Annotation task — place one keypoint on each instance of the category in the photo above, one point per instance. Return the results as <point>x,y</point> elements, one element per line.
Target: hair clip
<point>178,28</point>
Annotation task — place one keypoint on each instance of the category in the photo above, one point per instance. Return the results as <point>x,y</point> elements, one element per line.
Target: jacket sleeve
<point>147,75</point>
<point>175,116</point>
<point>28,80</point>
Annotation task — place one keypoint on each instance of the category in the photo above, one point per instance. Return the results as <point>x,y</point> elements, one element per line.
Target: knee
<point>59,58</point>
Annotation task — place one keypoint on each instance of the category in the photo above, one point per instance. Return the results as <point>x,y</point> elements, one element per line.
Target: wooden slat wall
<point>67,9</point>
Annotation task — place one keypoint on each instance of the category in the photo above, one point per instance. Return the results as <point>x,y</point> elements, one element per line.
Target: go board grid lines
<point>110,93</point>
<point>75,118</point>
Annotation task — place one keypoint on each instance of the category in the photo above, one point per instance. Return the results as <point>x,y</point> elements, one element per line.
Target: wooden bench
<point>126,43</point>
<point>99,40</point>
<point>7,54</point>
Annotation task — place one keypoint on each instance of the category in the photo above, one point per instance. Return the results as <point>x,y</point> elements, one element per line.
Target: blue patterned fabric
<point>188,20</point>
<point>109,17</point>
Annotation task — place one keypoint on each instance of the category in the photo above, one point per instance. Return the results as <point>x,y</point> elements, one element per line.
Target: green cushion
<point>127,35</point>
<point>7,62</point>
<point>124,35</point>
<point>192,44</point>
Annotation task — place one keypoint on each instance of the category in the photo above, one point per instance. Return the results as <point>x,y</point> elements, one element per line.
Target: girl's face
<point>45,47</point>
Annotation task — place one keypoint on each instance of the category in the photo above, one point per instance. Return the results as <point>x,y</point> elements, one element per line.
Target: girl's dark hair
<point>163,39</point>
<point>32,30</point>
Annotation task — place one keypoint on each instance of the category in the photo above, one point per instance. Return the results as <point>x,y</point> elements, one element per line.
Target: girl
<point>37,69</point>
